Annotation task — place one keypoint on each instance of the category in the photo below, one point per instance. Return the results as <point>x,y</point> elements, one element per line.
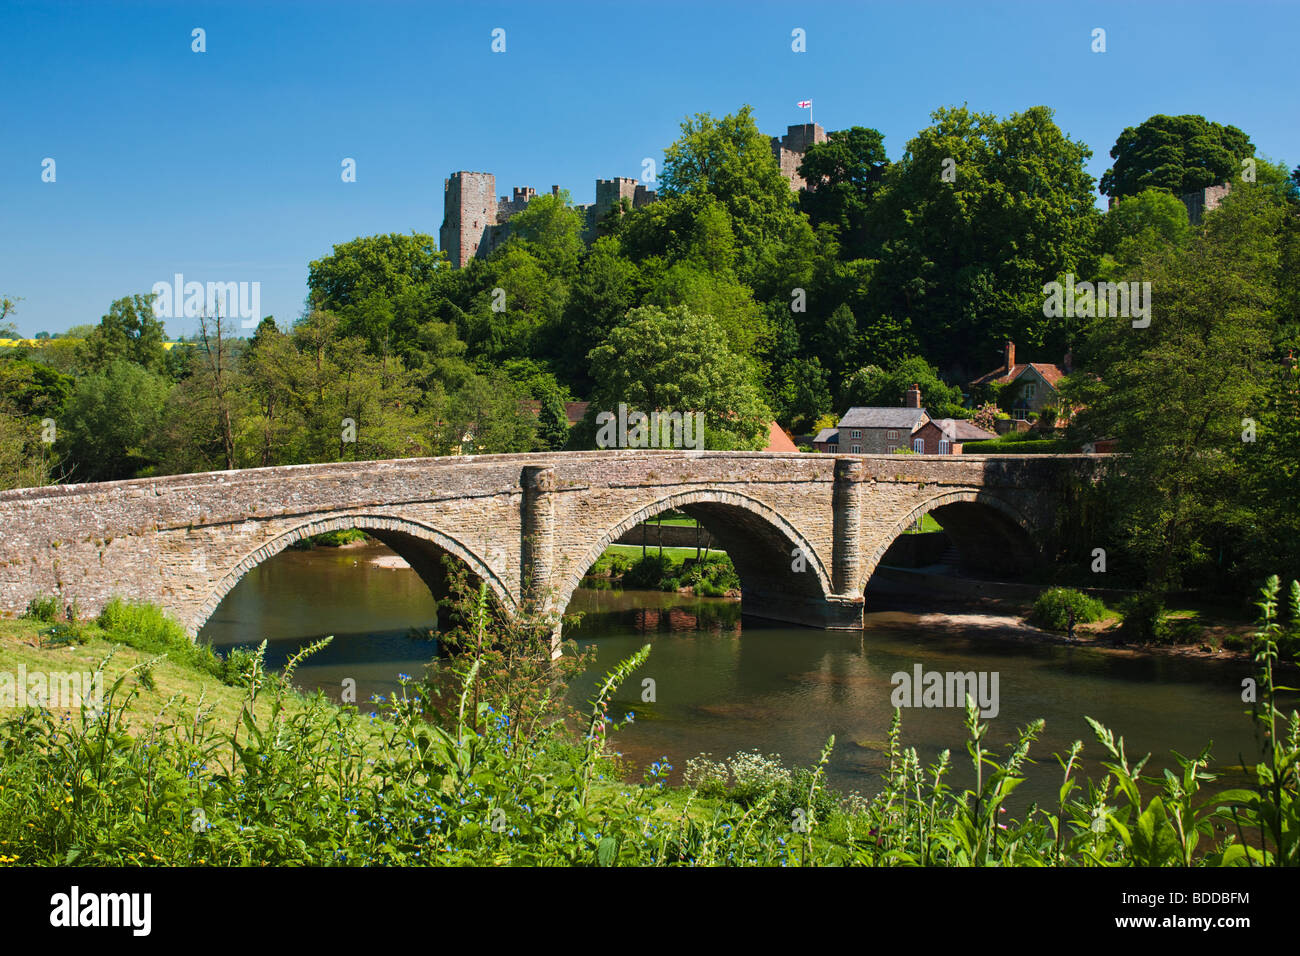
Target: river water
<point>723,685</point>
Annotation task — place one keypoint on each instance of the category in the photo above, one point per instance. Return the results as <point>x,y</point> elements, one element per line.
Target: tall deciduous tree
<point>978,215</point>
<point>1176,394</point>
<point>730,161</point>
<point>1180,154</point>
<point>674,360</point>
<point>843,175</point>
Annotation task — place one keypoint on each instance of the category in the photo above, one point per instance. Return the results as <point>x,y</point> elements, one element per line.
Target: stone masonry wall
<point>539,520</point>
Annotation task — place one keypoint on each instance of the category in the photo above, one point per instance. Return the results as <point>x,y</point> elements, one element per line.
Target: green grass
<point>928,524</point>
<point>677,554</point>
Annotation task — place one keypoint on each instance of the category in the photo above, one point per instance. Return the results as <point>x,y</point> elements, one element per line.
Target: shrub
<point>43,607</point>
<point>1053,607</point>
<point>648,572</point>
<point>793,795</point>
<point>239,666</point>
<point>1145,620</point>
<point>147,628</point>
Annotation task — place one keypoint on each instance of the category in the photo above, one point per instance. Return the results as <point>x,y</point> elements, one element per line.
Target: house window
<point>856,449</point>
<point>890,449</point>
<point>944,447</point>
<point>856,434</point>
<point>918,446</point>
<point>892,435</point>
<point>1027,393</point>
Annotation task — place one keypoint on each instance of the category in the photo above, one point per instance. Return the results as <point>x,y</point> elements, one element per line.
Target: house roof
<point>1051,374</point>
<point>575,411</point>
<point>831,435</point>
<point>959,429</point>
<point>860,417</point>
<point>778,440</point>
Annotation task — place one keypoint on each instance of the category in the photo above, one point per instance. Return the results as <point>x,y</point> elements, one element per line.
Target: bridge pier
<point>847,497</point>
<point>537,534</point>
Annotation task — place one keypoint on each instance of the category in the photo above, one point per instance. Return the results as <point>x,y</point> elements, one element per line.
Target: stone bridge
<point>804,531</point>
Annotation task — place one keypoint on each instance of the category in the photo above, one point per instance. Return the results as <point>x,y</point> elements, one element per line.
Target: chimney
<point>913,398</point>
<point>1067,363</point>
<point>555,190</point>
<point>1009,356</point>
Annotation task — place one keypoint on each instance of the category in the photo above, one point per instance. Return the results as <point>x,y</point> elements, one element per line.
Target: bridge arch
<point>757,538</point>
<point>420,545</point>
<point>984,527</point>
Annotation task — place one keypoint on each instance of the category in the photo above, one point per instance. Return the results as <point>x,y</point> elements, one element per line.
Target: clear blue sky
<point>225,165</point>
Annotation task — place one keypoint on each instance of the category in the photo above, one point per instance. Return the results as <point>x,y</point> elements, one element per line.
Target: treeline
<point>734,296</point>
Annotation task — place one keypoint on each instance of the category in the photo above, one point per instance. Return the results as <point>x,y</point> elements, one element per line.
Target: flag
<point>805,104</point>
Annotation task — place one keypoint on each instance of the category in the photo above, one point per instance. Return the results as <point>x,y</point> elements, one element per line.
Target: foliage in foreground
<point>320,784</point>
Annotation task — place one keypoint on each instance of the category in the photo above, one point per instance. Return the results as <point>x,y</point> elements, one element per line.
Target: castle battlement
<point>475,220</point>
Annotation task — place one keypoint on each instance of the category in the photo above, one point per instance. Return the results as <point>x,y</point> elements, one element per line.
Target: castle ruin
<point>476,221</point>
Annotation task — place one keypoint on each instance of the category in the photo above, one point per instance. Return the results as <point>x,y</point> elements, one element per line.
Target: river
<point>723,685</point>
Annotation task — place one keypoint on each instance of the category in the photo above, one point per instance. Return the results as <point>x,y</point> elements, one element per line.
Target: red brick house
<point>944,436</point>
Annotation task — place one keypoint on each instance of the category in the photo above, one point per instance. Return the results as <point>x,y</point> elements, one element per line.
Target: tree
<point>607,285</point>
<point>1175,394</point>
<point>731,161</point>
<point>368,265</point>
<point>1179,154</point>
<point>674,360</point>
<point>129,332</point>
<point>551,229</point>
<point>1152,210</point>
<point>843,175</point>
<point>111,421</point>
<point>964,256</point>
<point>382,287</point>
<point>873,387</point>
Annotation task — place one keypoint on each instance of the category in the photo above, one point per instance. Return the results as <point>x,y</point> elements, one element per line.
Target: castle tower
<point>789,149</point>
<point>469,215</point>
<point>609,192</point>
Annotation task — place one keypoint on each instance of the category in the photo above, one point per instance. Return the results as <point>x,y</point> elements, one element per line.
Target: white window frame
<point>945,446</point>
<point>856,433</point>
<point>892,434</point>
<point>855,450</point>
<point>890,449</point>
<point>918,445</point>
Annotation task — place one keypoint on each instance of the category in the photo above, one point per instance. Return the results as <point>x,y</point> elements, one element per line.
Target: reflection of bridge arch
<point>757,538</point>
<point>986,530</point>
<point>420,546</point>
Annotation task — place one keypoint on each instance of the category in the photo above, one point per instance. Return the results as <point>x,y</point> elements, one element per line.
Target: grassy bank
<point>261,776</point>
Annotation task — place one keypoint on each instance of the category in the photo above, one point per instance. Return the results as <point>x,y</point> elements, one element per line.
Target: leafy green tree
<point>382,265</point>
<point>33,389</point>
<point>111,422</point>
<point>22,455</point>
<point>731,161</point>
<point>1270,467</point>
<point>844,174</point>
<point>874,387</point>
<point>1175,395</point>
<point>804,396</point>
<point>551,229</point>
<point>976,217</point>
<point>675,360</point>
<point>129,332</point>
<point>382,287</point>
<point>1153,210</point>
<point>607,285</point>
<point>1180,154</point>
